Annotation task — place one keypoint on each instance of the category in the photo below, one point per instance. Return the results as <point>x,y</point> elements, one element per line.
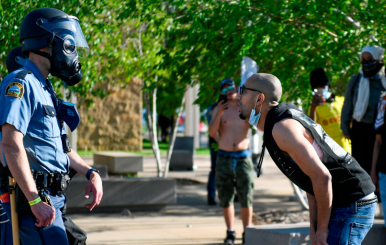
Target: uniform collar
<point>35,70</point>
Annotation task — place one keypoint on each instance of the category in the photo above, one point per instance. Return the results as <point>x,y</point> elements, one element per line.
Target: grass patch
<point>147,150</point>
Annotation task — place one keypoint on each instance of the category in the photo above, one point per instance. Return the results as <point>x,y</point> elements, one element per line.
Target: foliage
<point>286,38</point>
<point>122,45</point>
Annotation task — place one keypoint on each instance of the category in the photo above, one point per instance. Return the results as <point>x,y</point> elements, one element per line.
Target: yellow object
<point>328,116</point>
<point>14,216</point>
<point>36,201</point>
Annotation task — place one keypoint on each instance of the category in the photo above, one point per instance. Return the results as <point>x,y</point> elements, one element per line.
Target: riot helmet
<point>15,59</point>
<point>62,34</point>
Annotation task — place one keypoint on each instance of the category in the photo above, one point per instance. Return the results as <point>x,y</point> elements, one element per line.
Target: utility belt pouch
<point>22,204</point>
<point>60,183</point>
<point>3,177</point>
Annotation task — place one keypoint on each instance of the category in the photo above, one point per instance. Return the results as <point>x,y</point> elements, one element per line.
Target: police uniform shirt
<point>26,103</point>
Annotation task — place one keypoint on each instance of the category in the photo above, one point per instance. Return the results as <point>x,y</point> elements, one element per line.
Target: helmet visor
<point>64,26</point>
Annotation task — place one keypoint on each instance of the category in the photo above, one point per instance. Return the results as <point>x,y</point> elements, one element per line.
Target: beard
<point>242,117</point>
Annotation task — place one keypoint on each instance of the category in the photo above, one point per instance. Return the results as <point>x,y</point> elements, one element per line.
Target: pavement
<point>190,220</point>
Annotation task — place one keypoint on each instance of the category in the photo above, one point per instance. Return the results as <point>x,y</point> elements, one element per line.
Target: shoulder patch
<point>15,89</point>
<point>22,74</point>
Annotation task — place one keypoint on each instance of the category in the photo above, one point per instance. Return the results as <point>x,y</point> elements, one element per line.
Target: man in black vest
<point>339,191</point>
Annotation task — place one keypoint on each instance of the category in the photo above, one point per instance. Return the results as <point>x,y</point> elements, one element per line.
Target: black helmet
<point>49,27</point>
<point>33,36</point>
<point>15,59</point>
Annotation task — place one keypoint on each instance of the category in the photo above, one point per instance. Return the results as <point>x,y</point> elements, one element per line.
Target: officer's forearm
<point>77,163</point>
<point>18,162</point>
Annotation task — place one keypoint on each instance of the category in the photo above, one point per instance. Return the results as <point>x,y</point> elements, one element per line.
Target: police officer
<point>32,120</point>
<point>15,60</point>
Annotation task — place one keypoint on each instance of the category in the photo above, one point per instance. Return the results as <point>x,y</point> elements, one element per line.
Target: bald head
<point>268,84</point>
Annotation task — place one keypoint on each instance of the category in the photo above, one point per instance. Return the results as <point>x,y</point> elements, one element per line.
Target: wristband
<point>36,201</point>
<point>90,171</point>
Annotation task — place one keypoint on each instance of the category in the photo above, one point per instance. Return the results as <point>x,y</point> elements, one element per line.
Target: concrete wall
<point>114,123</point>
<point>119,193</point>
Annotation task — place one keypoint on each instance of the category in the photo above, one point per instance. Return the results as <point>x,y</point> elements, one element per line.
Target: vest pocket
<point>51,127</point>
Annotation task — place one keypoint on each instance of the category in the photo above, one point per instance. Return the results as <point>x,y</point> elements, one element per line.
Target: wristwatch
<point>89,172</point>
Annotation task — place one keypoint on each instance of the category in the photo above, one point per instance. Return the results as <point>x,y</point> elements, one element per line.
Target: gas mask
<point>371,68</point>
<point>66,46</point>
<point>64,61</point>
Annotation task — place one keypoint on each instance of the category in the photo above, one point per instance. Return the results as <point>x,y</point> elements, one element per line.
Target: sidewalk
<point>190,220</point>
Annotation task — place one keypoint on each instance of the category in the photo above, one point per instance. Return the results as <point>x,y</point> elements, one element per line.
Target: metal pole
<point>14,216</point>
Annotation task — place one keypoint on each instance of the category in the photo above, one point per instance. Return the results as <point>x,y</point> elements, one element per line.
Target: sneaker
<point>231,237</point>
<point>211,201</point>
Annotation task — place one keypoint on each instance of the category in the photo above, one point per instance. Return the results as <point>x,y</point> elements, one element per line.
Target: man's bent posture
<point>339,191</point>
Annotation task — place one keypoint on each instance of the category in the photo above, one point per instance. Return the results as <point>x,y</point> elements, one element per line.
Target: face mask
<point>326,93</point>
<point>254,119</point>
<point>371,69</point>
<point>69,114</point>
<point>64,61</point>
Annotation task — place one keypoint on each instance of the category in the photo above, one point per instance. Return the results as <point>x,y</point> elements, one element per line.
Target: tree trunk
<point>153,130</point>
<point>155,134</point>
<point>172,139</point>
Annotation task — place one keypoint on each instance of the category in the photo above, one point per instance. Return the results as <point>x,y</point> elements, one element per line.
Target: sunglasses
<point>243,88</point>
<point>225,90</point>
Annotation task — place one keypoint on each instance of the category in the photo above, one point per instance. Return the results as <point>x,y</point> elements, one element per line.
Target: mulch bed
<point>280,217</point>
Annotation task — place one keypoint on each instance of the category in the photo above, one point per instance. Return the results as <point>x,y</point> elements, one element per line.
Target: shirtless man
<point>340,193</point>
<point>234,168</point>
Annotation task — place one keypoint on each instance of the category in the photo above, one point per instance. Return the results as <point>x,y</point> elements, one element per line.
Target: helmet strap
<point>43,54</point>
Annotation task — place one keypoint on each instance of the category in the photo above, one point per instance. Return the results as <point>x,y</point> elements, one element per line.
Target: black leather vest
<point>349,181</point>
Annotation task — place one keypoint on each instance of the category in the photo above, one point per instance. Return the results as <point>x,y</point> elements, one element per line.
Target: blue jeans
<point>349,225</point>
<point>52,234</point>
<point>382,192</point>
<point>211,187</point>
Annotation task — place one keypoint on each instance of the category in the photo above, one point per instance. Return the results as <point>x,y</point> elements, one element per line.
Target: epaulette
<point>22,74</point>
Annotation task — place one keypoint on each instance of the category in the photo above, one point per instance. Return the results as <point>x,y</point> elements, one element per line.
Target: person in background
<point>363,92</point>
<point>14,61</point>
<point>211,186</point>
<point>164,123</point>
<point>378,170</point>
<point>326,108</point>
<point>234,168</point>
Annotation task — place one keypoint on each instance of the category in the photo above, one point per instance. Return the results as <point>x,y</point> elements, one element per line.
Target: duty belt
<point>57,182</point>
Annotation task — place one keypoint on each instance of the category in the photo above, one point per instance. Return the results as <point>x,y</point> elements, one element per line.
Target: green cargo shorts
<point>227,179</point>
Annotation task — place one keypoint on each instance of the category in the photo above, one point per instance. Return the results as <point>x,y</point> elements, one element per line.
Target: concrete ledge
<point>120,193</point>
<point>280,234</point>
<point>119,162</point>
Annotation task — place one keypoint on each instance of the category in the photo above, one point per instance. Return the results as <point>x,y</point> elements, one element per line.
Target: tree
<point>152,21</point>
<point>286,38</point>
